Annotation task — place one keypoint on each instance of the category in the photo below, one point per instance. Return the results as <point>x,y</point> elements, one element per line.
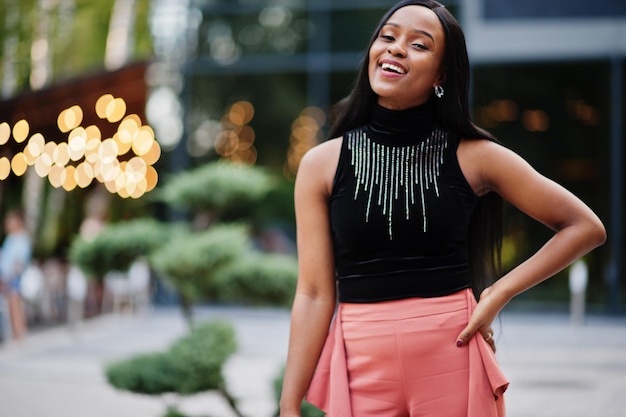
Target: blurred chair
<point>54,292</point>
<point>131,288</point>
<point>31,290</point>
<point>76,287</point>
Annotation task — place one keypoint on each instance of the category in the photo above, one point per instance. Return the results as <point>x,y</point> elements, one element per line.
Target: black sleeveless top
<point>400,210</point>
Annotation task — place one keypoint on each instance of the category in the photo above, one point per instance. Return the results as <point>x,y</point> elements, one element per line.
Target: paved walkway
<point>556,369</point>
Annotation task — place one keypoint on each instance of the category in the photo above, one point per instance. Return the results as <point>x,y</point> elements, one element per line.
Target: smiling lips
<point>394,68</point>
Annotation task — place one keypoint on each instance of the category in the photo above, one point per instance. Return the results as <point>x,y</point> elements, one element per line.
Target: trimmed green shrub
<point>192,364</point>
<point>259,279</point>
<point>228,191</point>
<point>118,246</point>
<point>173,412</point>
<point>190,260</point>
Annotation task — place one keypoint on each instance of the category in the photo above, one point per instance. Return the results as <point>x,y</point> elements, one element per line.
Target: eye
<point>388,37</point>
<point>419,46</point>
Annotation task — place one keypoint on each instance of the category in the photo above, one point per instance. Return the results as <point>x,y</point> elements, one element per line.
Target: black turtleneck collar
<point>402,127</point>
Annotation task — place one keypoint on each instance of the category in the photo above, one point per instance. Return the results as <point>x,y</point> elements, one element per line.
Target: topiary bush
<point>227,191</point>
<point>258,279</point>
<point>118,246</point>
<point>191,260</point>
<point>192,364</point>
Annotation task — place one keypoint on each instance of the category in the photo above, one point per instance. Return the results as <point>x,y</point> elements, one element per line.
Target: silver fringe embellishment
<point>385,173</point>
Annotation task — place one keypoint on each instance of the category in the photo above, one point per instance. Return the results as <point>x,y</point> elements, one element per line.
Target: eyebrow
<point>423,32</point>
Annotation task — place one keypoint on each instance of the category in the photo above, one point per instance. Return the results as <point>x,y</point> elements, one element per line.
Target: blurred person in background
<point>15,255</point>
<point>399,220</point>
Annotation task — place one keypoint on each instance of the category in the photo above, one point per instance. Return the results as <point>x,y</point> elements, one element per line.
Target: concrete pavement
<point>556,369</point>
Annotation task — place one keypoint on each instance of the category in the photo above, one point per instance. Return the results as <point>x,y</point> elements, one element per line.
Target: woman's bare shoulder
<point>322,156</point>
<point>323,151</point>
<point>472,154</point>
<point>320,162</point>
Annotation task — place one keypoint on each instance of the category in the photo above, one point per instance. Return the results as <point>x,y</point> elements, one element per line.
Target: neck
<point>411,125</point>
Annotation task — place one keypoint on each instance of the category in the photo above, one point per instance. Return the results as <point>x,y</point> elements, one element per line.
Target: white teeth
<point>390,67</point>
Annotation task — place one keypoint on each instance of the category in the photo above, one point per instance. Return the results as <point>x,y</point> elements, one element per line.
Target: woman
<point>15,256</point>
<point>397,219</point>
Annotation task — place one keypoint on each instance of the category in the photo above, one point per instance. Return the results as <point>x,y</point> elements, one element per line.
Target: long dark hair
<point>451,112</point>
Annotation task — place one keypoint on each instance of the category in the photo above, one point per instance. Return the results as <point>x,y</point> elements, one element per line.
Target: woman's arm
<point>314,302</point>
<point>577,229</point>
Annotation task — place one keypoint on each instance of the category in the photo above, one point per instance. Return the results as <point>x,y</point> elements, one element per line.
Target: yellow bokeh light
<point>92,132</point>
<point>61,155</point>
<point>30,158</point>
<point>137,165</point>
<point>69,182</point>
<point>77,142</point>
<point>241,113</point>
<point>246,156</point>
<point>79,132</point>
<point>316,113</point>
<point>92,148</point>
<point>120,181</point>
<point>61,124</point>
<point>19,164</point>
<point>101,105</point>
<point>43,164</point>
<point>108,150</point>
<point>307,122</point>
<point>36,144</point>
<point>246,138</point>
<point>70,118</point>
<point>124,142</point>
<point>5,132</point>
<point>5,168</point>
<point>83,174</point>
<point>115,110</point>
<point>153,155</point>
<point>134,117</point>
<point>126,136</point>
<point>97,171</point>
<point>226,143</point>
<point>110,186</point>
<point>132,178</point>
<point>110,170</point>
<point>49,148</point>
<point>535,120</point>
<point>56,176</point>
<point>20,131</point>
<point>130,125</point>
<point>140,188</point>
<point>123,192</point>
<point>143,140</point>
<point>152,178</point>
<point>130,187</point>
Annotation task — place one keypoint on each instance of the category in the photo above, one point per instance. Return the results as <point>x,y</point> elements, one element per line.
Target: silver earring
<point>439,91</point>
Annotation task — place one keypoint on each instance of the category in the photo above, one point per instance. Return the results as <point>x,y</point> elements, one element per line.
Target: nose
<point>396,49</point>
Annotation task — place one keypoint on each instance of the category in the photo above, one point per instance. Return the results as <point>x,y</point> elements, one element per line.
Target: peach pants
<point>399,359</point>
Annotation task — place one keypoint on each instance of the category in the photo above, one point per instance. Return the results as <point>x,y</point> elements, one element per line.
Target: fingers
<point>487,334</point>
<point>465,335</point>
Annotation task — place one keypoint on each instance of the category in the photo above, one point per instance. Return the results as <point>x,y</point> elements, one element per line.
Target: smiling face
<point>405,60</point>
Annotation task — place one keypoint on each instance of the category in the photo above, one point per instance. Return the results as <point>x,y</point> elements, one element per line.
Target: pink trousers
<point>399,359</point>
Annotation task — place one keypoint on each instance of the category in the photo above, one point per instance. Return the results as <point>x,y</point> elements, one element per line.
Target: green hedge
<point>228,191</point>
<point>118,246</point>
<point>192,364</point>
<point>258,279</point>
<point>191,260</point>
